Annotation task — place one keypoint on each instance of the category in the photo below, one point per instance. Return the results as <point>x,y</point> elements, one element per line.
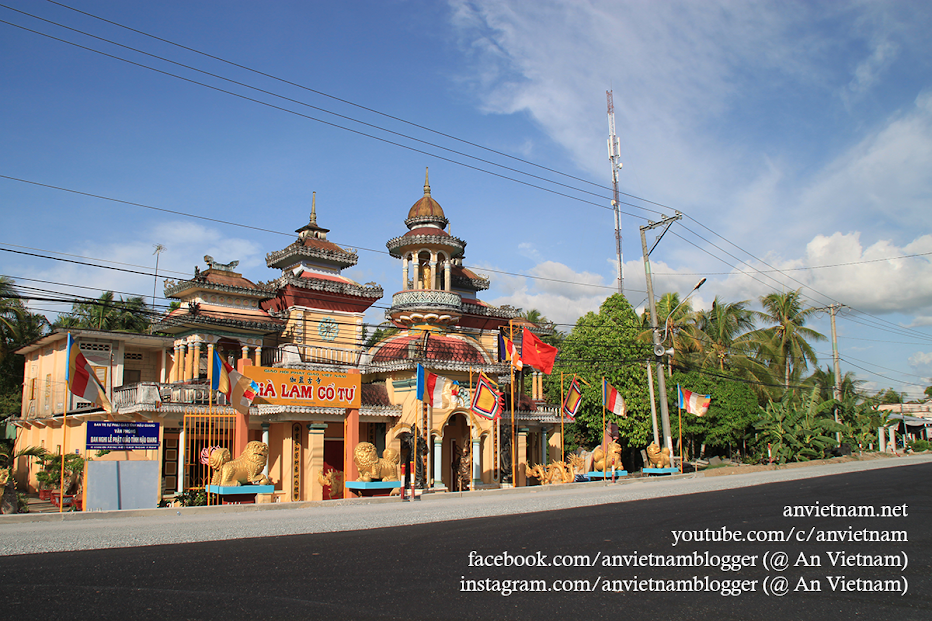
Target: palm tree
<point>8,457</point>
<point>724,341</point>
<point>104,313</point>
<point>825,382</point>
<point>678,323</point>
<point>785,345</point>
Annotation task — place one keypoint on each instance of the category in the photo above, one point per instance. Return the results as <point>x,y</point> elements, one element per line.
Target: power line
<point>355,120</point>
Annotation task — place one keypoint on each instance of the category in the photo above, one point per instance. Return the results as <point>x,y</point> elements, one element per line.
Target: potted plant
<point>9,502</point>
<point>44,479</point>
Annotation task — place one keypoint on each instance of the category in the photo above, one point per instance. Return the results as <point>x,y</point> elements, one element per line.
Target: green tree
<point>890,396</point>
<point>8,457</point>
<point>796,430</point>
<point>725,343</point>
<point>18,327</point>
<point>785,345</point>
<point>605,344</point>
<point>677,323</point>
<point>732,411</point>
<point>928,392</point>
<point>105,313</point>
<point>825,382</point>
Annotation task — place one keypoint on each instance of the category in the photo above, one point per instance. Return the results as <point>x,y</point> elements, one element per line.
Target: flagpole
<point>514,444</point>
<point>64,429</point>
<point>679,412</point>
<point>604,434</point>
<point>562,432</point>
<point>210,420</point>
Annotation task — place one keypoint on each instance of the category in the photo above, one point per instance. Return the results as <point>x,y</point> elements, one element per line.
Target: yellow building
<point>303,328</point>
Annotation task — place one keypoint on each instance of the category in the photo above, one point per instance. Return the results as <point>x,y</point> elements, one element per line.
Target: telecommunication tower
<point>614,152</point>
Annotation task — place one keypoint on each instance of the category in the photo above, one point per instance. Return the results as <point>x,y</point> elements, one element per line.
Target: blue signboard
<point>110,436</point>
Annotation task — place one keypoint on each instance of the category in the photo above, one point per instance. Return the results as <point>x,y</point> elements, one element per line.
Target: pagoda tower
<point>322,309</point>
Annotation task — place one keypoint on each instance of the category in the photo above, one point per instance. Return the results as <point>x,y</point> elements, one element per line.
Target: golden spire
<point>314,208</point>
<point>426,182</point>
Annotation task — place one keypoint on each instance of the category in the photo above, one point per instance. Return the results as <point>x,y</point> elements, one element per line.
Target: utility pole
<point>659,350</point>
<point>832,309</point>
<point>614,152</point>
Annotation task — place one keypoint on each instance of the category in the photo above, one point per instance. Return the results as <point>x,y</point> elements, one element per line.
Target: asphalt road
<point>812,567</point>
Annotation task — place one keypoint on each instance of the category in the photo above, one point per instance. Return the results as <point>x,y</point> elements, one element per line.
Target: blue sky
<point>793,136</point>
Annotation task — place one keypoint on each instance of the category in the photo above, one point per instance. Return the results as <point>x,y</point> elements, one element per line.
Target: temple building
<point>321,390</point>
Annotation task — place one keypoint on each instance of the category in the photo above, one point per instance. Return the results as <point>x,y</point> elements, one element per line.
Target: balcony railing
<point>195,392</point>
<point>296,353</point>
<point>426,298</point>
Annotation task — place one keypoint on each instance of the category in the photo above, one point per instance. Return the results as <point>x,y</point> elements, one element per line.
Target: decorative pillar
<point>438,466</point>
<point>187,349</point>
<point>447,276</point>
<point>265,440</point>
<point>476,465</point>
<point>196,361</point>
<point>892,432</point>
<point>245,355</point>
<point>314,464</point>
<point>182,470</point>
<point>258,356</point>
<point>404,273</point>
<point>176,364</point>
<point>521,461</point>
<point>433,271</point>
<point>162,367</point>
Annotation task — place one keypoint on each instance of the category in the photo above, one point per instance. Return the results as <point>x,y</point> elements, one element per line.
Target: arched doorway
<point>456,449</point>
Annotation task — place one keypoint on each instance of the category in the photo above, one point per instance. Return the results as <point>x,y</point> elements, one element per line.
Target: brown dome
<point>427,207</point>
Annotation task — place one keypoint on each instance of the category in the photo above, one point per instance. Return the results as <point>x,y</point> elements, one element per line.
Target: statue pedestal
<point>651,471</point>
<point>240,494</point>
<point>607,475</point>
<point>372,488</point>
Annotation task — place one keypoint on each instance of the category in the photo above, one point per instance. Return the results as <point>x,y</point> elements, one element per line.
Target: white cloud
<point>556,290</point>
<point>134,263</point>
<point>921,362</point>
<point>867,278</point>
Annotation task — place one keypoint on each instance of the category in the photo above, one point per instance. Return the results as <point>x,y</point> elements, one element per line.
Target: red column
<point>350,440</point>
<point>242,420</point>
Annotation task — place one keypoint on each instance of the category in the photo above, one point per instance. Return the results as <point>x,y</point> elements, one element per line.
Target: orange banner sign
<point>329,389</point>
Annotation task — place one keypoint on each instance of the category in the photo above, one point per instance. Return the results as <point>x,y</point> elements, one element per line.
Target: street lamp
<point>666,323</point>
<point>659,351</point>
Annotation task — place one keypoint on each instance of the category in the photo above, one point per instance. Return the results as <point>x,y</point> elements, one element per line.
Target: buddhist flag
<point>693,402</point>
<point>486,401</point>
<point>507,352</point>
<point>430,387</point>
<point>573,400</point>
<point>536,353</point>
<point>613,401</point>
<point>239,389</point>
<point>81,378</point>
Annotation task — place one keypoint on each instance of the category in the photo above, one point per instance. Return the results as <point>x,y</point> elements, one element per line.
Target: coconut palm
<point>105,313</point>
<point>678,323</point>
<point>725,341</point>
<point>785,345</point>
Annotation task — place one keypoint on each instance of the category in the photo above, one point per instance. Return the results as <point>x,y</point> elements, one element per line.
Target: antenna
<point>614,152</point>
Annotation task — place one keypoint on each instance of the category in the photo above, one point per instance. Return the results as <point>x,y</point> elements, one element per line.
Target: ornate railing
<point>296,353</point>
<point>426,298</point>
<point>150,393</point>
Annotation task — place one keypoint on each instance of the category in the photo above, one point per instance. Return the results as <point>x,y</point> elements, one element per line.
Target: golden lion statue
<point>614,457</point>
<point>372,467</point>
<point>658,458</point>
<point>244,470</point>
